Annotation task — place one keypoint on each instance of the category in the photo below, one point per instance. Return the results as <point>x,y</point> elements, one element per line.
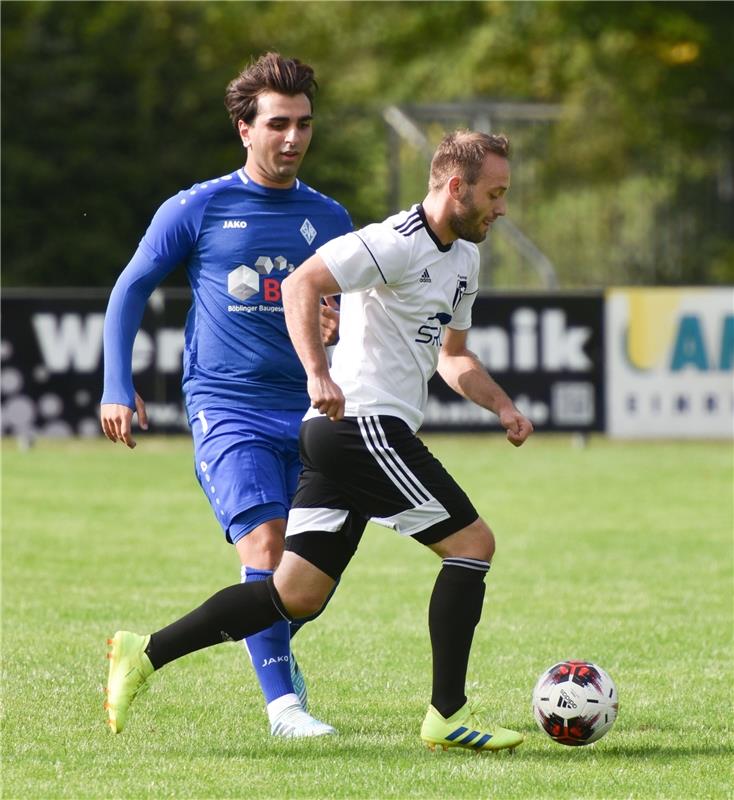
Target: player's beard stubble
<point>468,224</point>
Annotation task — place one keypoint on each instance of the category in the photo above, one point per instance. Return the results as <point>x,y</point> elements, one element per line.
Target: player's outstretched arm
<point>464,373</point>
<point>302,293</point>
<point>117,420</point>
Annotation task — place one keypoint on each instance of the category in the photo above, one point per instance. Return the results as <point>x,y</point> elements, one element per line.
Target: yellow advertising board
<point>670,362</point>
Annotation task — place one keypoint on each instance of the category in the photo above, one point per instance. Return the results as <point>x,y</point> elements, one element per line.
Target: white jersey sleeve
<point>372,256</point>
<point>461,319</point>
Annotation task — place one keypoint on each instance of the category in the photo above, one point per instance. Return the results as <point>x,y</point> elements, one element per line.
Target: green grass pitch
<point>619,553</point>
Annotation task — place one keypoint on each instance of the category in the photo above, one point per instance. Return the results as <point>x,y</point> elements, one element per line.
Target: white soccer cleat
<point>299,682</point>
<point>295,723</point>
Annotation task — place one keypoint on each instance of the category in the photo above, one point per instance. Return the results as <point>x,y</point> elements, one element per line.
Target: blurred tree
<point>108,108</point>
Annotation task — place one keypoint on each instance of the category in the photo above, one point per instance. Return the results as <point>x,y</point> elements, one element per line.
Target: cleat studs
<point>109,641</point>
<point>444,747</point>
<point>109,656</point>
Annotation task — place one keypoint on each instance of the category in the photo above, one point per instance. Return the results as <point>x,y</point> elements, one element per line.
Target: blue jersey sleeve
<point>166,243</point>
<point>175,227</point>
<point>122,321</point>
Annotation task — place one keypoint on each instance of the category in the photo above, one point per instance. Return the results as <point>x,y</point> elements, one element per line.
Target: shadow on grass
<point>640,752</point>
<point>388,751</point>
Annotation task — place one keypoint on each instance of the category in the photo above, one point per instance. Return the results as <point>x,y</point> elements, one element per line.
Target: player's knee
<point>474,541</point>
<point>303,587</point>
<point>480,540</point>
<point>300,598</point>
<point>304,603</point>
<point>263,546</point>
<point>489,541</point>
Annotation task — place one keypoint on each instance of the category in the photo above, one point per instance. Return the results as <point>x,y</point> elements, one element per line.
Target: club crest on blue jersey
<point>308,231</point>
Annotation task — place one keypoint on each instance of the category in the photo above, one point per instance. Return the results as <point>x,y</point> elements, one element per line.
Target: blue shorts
<point>247,459</point>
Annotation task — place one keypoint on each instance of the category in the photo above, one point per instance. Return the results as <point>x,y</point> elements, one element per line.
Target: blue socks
<point>270,649</point>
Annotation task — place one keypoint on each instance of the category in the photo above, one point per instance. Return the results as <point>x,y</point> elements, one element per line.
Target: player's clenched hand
<point>326,397</point>
<point>518,426</point>
<point>329,321</point>
<point>117,420</point>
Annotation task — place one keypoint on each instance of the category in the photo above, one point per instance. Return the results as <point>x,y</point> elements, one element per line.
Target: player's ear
<point>244,130</point>
<point>456,187</point>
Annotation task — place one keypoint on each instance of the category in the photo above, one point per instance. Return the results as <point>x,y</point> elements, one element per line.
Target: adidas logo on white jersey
<point>425,277</point>
<point>234,223</point>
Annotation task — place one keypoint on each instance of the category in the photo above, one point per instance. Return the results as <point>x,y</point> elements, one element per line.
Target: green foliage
<point>616,552</point>
<point>109,108</point>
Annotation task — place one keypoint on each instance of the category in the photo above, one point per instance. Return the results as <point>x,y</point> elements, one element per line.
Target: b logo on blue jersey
<point>243,282</point>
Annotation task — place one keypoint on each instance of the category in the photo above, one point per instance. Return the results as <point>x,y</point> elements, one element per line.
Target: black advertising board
<point>52,365</point>
<point>545,350</point>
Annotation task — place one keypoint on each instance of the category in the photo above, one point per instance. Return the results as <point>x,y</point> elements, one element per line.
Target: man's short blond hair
<point>463,153</point>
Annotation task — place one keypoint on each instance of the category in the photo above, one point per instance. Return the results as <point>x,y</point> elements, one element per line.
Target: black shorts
<point>368,468</point>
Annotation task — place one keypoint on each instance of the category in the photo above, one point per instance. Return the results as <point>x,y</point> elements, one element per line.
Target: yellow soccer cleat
<point>462,729</point>
<point>129,671</point>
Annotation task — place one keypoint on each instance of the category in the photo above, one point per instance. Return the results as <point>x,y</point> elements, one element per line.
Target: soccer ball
<point>575,702</point>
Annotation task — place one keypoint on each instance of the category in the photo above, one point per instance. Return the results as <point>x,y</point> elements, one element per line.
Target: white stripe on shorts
<point>415,520</point>
<point>303,520</point>
<point>391,464</point>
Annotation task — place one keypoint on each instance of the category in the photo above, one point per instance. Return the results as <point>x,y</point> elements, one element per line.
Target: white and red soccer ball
<point>575,702</point>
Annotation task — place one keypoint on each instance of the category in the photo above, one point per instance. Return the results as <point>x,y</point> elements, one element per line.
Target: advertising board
<point>670,362</point>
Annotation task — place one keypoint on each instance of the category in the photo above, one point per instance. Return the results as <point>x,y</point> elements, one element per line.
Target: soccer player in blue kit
<point>239,236</point>
<point>408,285</point>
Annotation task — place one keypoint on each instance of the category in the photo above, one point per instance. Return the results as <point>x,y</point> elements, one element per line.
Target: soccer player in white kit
<point>407,287</point>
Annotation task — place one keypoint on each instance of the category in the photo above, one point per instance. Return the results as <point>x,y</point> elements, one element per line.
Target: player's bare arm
<point>329,311</point>
<point>117,420</point>
<point>302,293</point>
<point>464,373</point>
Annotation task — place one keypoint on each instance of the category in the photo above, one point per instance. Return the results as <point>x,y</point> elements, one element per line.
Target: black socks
<point>453,613</point>
<point>229,615</point>
<point>246,608</point>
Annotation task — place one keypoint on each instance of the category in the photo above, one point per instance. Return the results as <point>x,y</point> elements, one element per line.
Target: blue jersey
<point>238,240</point>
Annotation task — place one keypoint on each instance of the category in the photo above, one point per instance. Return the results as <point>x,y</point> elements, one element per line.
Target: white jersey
<point>401,288</point>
